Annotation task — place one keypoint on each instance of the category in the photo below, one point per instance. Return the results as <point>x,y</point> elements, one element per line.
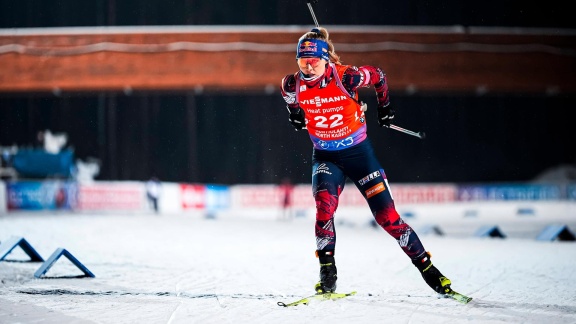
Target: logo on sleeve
<point>373,191</point>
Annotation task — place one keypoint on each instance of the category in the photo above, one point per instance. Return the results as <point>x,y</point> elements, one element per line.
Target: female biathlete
<point>322,98</point>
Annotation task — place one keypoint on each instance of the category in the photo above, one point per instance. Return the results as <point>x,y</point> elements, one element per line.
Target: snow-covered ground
<point>184,268</point>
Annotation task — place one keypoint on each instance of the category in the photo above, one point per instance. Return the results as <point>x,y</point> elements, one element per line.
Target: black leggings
<point>358,163</point>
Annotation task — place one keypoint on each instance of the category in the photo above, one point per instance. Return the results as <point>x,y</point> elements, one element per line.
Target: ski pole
<point>420,135</point>
<point>312,11</point>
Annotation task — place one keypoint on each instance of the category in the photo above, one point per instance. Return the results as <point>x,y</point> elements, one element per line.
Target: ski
<point>334,296</point>
<point>321,297</point>
<point>458,297</point>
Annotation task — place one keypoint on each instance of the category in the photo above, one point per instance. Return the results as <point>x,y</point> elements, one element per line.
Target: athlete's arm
<point>288,89</point>
<point>365,76</point>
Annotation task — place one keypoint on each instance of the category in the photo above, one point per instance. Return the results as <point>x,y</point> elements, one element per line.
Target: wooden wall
<point>255,59</point>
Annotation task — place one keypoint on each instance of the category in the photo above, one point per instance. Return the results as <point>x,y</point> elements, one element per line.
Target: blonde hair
<point>322,34</point>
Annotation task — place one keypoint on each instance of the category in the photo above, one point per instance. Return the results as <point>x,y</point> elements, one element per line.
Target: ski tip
<point>466,300</point>
<point>320,297</point>
<point>459,297</point>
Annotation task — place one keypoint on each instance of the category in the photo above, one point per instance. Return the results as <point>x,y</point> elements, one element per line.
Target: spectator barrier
<point>3,195</point>
<point>178,197</point>
<point>412,200</point>
<point>431,207</point>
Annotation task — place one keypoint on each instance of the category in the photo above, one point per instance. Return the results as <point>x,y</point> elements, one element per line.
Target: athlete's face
<point>312,66</point>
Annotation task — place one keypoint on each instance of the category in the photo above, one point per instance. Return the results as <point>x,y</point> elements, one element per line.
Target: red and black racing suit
<point>337,127</point>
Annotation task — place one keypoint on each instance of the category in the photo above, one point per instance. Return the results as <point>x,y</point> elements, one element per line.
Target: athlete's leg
<point>364,169</point>
<point>370,179</point>
<point>385,215</point>
<point>327,184</point>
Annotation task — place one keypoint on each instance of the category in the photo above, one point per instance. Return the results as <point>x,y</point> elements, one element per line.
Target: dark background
<point>511,13</point>
<point>231,137</point>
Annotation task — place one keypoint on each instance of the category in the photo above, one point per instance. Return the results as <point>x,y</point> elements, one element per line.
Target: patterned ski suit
<point>337,127</point>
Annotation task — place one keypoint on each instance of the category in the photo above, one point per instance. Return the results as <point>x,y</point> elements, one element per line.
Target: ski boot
<point>327,283</point>
<point>433,277</point>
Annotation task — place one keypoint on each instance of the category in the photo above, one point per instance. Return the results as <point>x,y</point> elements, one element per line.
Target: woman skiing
<point>322,98</point>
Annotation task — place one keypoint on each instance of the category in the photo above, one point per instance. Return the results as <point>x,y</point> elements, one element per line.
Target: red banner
<point>414,194</point>
<point>111,196</point>
<point>193,196</point>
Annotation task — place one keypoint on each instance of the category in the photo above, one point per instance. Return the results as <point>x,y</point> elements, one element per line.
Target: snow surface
<point>188,269</point>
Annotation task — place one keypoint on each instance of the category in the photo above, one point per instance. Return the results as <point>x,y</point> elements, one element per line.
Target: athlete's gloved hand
<point>297,118</point>
<point>385,115</point>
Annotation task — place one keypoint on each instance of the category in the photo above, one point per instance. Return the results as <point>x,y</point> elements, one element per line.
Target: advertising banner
<point>509,192</point>
<point>193,196</point>
<point>571,192</point>
<point>3,203</point>
<point>47,195</point>
<point>302,197</point>
<point>418,194</point>
<point>261,196</point>
<point>271,196</point>
<point>217,197</point>
<point>112,196</point>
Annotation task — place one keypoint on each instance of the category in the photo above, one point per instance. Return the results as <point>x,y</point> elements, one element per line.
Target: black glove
<point>297,118</point>
<point>385,115</point>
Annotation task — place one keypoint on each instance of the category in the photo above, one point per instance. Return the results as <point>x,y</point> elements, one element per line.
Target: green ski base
<point>458,297</point>
<point>321,297</point>
<point>334,296</point>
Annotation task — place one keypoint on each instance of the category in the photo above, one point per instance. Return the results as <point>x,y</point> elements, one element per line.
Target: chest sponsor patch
<point>374,190</point>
